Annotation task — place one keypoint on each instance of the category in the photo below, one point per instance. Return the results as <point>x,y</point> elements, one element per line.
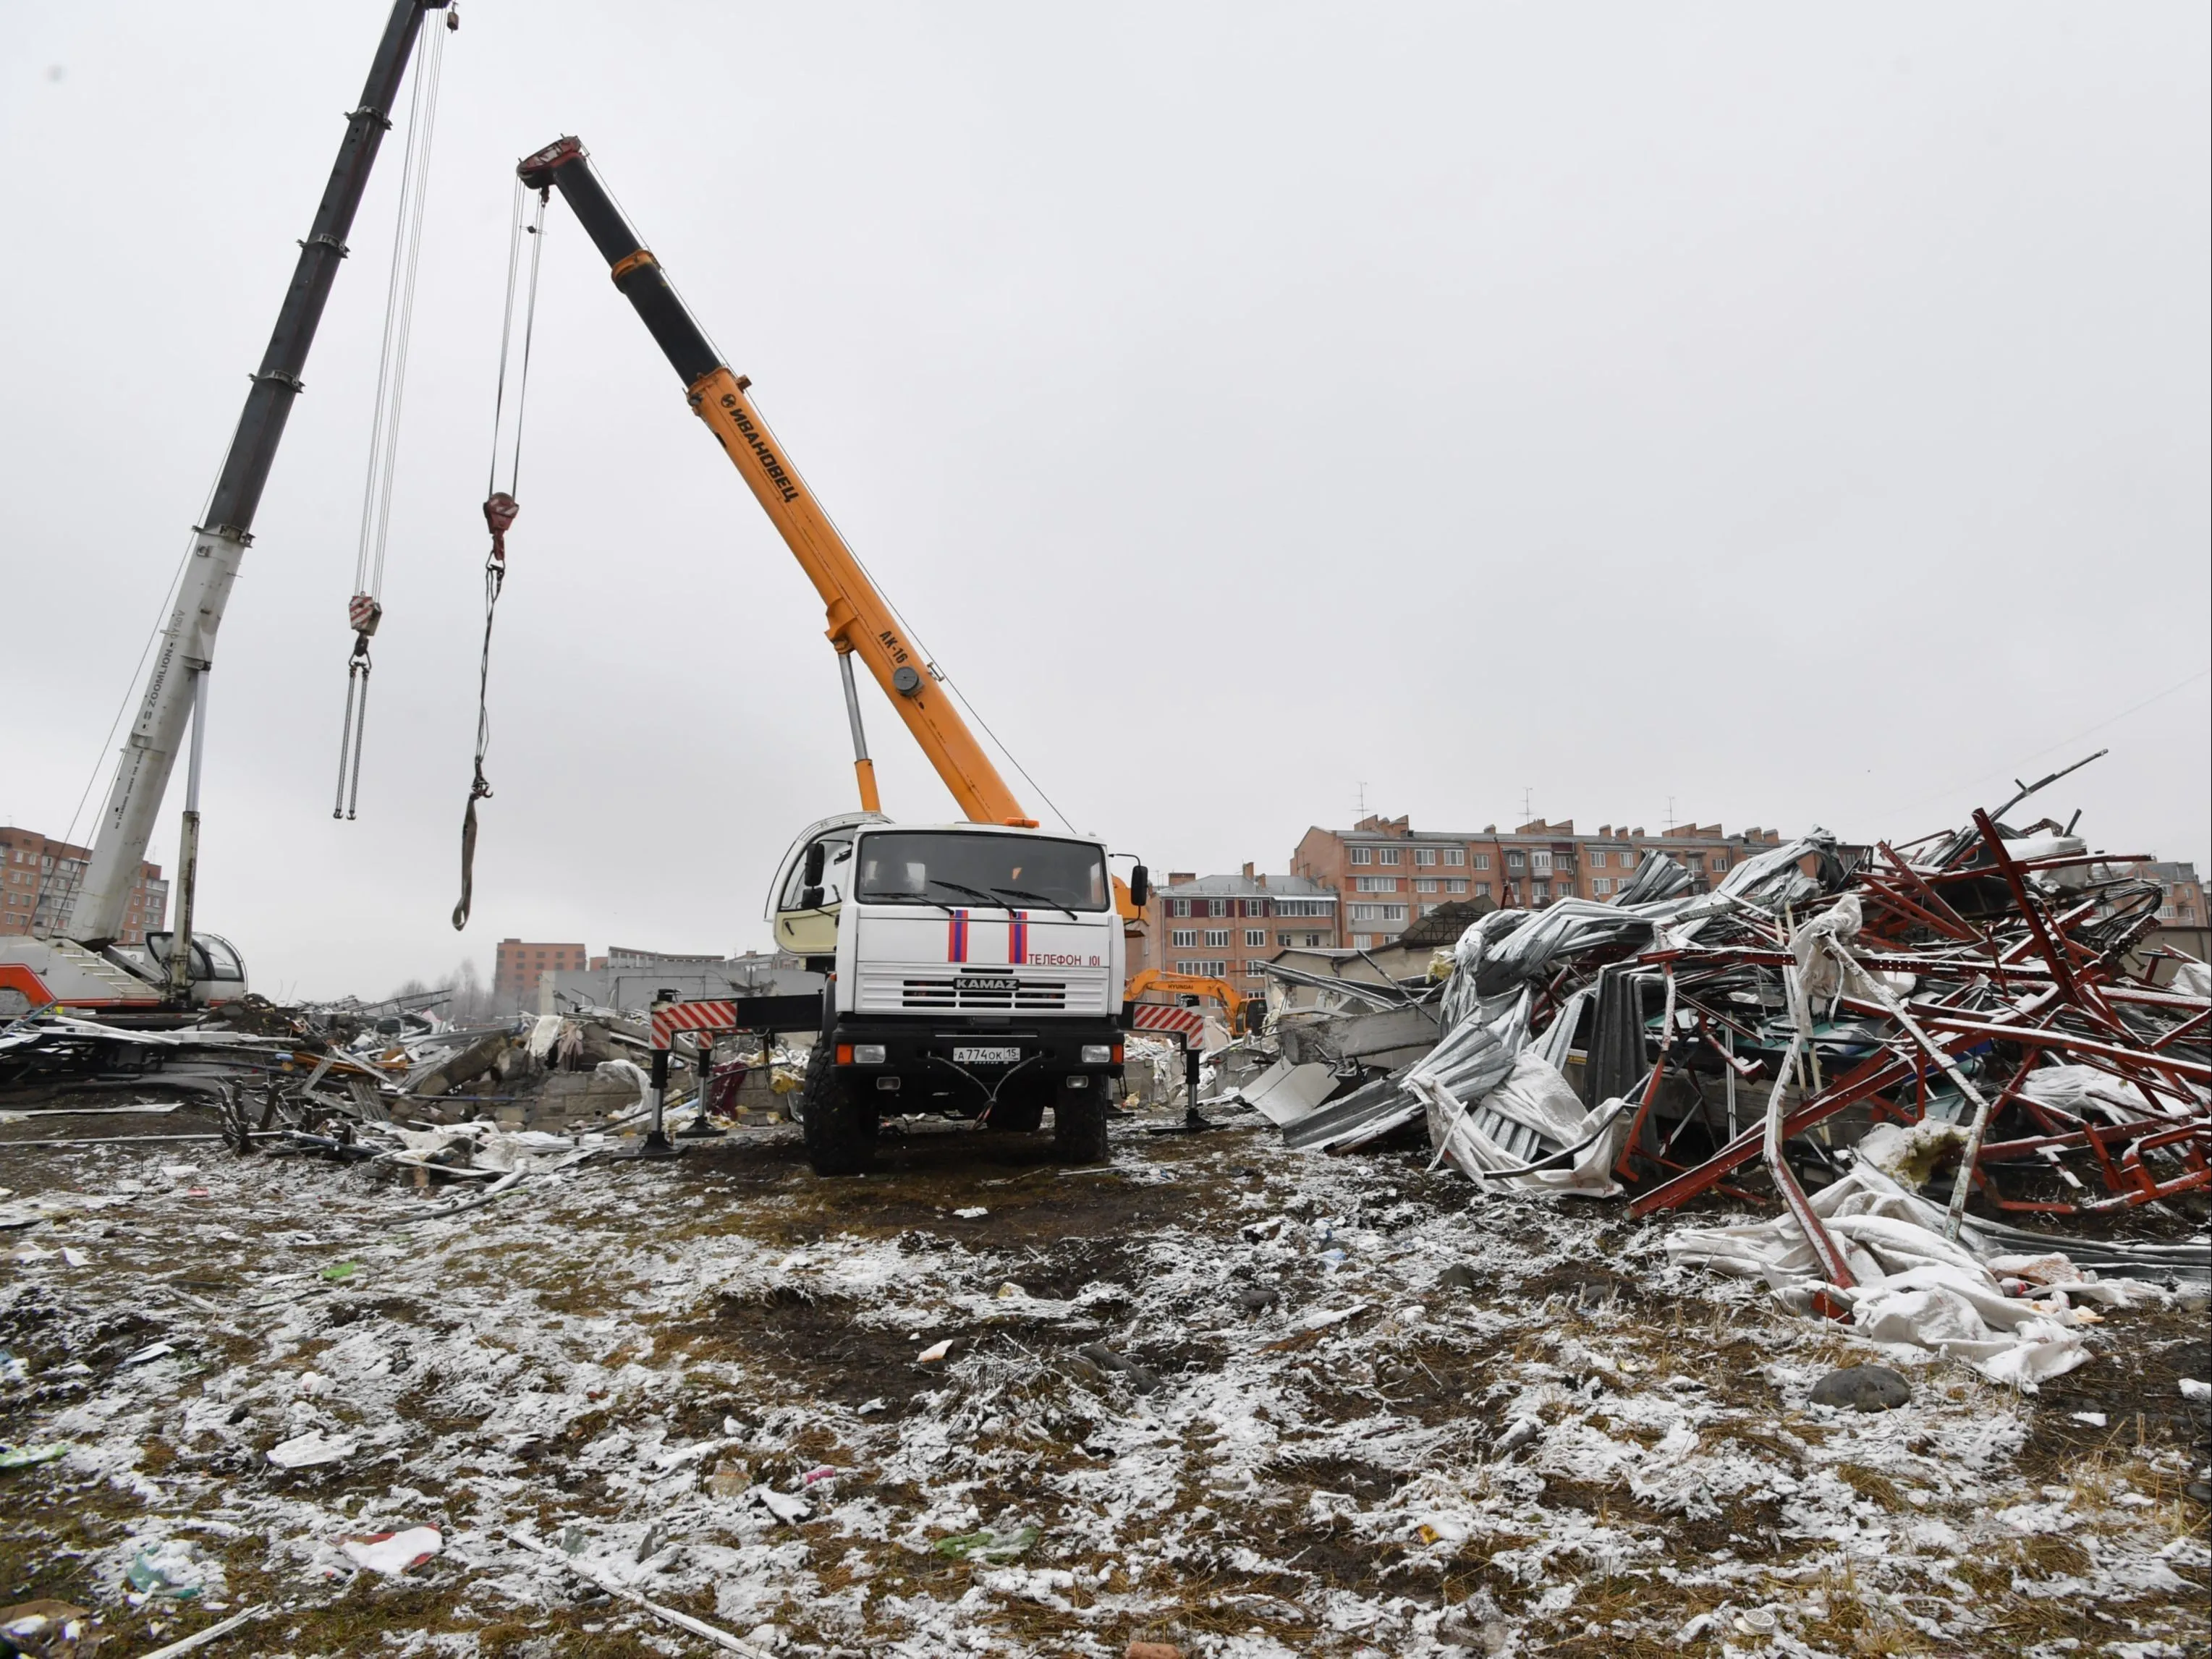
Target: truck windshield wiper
<point>963,887</point>
<point>1024,893</point>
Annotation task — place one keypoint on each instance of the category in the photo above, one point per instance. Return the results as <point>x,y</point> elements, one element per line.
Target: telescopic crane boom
<point>861,622</point>
<point>72,969</point>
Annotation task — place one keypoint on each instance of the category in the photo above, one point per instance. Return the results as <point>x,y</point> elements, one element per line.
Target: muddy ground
<point>1374,1413</point>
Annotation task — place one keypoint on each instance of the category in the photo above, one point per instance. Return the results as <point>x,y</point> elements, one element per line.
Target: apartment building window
<point>1597,858</point>
<point>1217,907</point>
<point>1482,861</point>
<point>1252,968</point>
<point>2166,913</point>
<point>1454,883</point>
<point>1256,907</point>
<point>1184,939</point>
<point>1601,885</point>
<point>1424,857</point>
<point>1363,855</point>
<point>1378,883</point>
<point>1516,860</point>
<point>1200,968</point>
<point>1378,913</point>
<point>1424,883</point>
<point>1542,890</point>
<point>1302,907</point>
<point>1541,862</point>
<point>1284,940</point>
<point>1716,864</point>
<point>1482,890</point>
<point>1389,855</point>
<point>1254,937</point>
<point>1216,938</point>
<point>1362,941</point>
<point>1178,907</point>
<point>1513,894</point>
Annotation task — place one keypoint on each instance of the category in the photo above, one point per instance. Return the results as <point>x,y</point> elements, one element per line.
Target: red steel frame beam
<point>1877,1075</point>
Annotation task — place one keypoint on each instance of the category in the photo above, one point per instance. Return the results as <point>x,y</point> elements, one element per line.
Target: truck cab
<point>975,972</point>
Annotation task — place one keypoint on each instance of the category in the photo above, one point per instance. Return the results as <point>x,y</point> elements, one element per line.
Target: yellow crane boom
<point>861,623</point>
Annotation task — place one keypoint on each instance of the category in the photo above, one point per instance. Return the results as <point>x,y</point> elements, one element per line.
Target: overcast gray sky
<point>1801,413</point>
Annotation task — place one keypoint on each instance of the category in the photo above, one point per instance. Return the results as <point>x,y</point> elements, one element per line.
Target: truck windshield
<point>922,867</point>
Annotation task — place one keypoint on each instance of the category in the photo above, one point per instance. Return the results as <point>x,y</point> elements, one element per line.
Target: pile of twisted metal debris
<point>1982,996</point>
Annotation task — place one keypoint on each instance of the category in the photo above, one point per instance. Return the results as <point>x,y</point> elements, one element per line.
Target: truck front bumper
<point>929,1053</point>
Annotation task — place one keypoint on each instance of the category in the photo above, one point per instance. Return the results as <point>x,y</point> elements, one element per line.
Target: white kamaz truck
<point>976,969</point>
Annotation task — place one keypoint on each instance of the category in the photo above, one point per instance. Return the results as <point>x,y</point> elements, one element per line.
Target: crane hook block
<point>499,511</point>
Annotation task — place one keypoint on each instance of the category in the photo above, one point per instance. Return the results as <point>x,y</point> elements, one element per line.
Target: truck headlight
<point>869,1053</point>
<point>1100,1053</point>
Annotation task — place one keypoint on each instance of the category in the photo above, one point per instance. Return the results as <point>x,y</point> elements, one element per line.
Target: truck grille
<point>945,994</point>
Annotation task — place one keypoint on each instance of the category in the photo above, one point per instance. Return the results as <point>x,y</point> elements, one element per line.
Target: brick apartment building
<point>39,879</point>
<point>1390,875</point>
<point>1224,926</point>
<point>2183,925</point>
<point>518,963</point>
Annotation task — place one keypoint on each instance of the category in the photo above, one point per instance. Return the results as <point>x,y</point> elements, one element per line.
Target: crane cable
<point>365,609</point>
<point>499,509</point>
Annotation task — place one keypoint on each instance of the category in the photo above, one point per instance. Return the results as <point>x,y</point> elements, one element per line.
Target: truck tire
<point>1079,1123</point>
<point>839,1128</point>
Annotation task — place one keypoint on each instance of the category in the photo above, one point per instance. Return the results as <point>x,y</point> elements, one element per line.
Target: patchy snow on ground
<point>1329,1406</point>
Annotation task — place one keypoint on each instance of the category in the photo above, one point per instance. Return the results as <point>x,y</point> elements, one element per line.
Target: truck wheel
<point>840,1129</point>
<point>1079,1123</point>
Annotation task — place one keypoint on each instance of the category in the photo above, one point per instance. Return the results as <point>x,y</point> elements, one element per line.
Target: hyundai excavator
<point>975,969</point>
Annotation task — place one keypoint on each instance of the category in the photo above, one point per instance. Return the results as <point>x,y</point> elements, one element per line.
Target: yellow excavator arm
<point>1191,985</point>
<point>861,621</point>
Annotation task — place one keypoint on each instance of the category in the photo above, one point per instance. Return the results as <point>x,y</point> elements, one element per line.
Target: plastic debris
<point>935,1351</point>
<point>24,1457</point>
<point>146,1355</point>
<point>338,1272</point>
<point>393,1552</point>
<point>988,1545</point>
<point>172,1571</point>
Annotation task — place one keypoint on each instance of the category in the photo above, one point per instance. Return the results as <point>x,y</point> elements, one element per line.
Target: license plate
<point>986,1056</point>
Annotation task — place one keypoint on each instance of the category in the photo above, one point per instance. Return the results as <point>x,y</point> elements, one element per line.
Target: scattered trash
<point>988,1546</point>
<point>1151,1650</point>
<point>24,1457</point>
<point>338,1272</point>
<point>699,1627</point>
<point>972,1213</point>
<point>48,1629</point>
<point>935,1351</point>
<point>394,1552</point>
<point>146,1355</point>
<point>1863,1388</point>
<point>200,1638</point>
<point>1106,1359</point>
<point>310,1449</point>
<point>172,1571</point>
<point>2092,1420</point>
<point>2194,1389</point>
